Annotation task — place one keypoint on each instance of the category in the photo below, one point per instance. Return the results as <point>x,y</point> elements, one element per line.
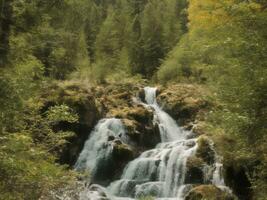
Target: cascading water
<point>97,149</point>
<point>168,127</point>
<point>159,172</point>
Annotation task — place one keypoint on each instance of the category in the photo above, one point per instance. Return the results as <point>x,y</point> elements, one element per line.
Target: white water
<point>169,129</point>
<point>159,172</point>
<point>97,148</point>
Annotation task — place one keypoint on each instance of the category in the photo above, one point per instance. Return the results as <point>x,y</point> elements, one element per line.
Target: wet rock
<point>205,150</point>
<point>142,95</point>
<point>143,135</point>
<point>95,192</point>
<point>122,152</point>
<point>138,122</point>
<point>194,171</point>
<point>237,179</point>
<point>208,192</point>
<point>118,102</point>
<point>112,167</point>
<point>111,138</point>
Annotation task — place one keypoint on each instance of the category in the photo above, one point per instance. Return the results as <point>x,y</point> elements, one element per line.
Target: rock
<point>95,192</point>
<point>208,192</point>
<point>117,142</point>
<point>142,95</point>
<point>133,112</point>
<point>141,114</point>
<point>122,152</point>
<point>113,167</point>
<point>238,180</point>
<point>184,102</point>
<point>205,150</point>
<point>194,173</point>
<point>117,101</point>
<point>116,97</point>
<point>138,122</point>
<point>143,135</point>
<point>111,138</point>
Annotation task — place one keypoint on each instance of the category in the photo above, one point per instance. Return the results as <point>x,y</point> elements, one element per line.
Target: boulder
<point>144,136</point>
<point>185,102</point>
<point>208,192</point>
<point>122,152</point>
<point>95,192</point>
<point>238,180</point>
<point>139,125</point>
<point>194,171</point>
<point>205,150</point>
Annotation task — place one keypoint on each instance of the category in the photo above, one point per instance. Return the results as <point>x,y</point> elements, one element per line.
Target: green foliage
<point>27,172</point>
<point>10,103</point>
<point>59,113</point>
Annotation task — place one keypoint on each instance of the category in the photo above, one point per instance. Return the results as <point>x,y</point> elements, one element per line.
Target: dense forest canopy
<point>221,44</point>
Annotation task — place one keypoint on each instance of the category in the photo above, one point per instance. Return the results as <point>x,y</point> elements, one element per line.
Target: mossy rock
<point>142,95</point>
<point>185,102</point>
<point>205,150</point>
<point>194,170</point>
<point>117,101</point>
<point>238,180</point>
<point>141,114</point>
<point>81,100</point>
<point>208,192</point>
<point>235,172</point>
<point>136,112</point>
<point>112,170</point>
<point>76,96</point>
<point>122,151</point>
<point>116,97</point>
<point>145,136</point>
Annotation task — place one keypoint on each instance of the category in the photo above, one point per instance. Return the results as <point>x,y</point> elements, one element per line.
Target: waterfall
<point>169,129</point>
<point>97,149</point>
<point>159,172</point>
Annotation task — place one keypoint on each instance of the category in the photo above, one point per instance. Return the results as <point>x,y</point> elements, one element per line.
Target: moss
<point>194,173</point>
<point>132,127</point>
<point>122,152</point>
<point>145,136</point>
<point>205,150</point>
<point>136,112</point>
<point>185,102</point>
<point>141,114</point>
<point>208,192</point>
<point>237,161</point>
<point>81,100</point>
<point>201,128</point>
